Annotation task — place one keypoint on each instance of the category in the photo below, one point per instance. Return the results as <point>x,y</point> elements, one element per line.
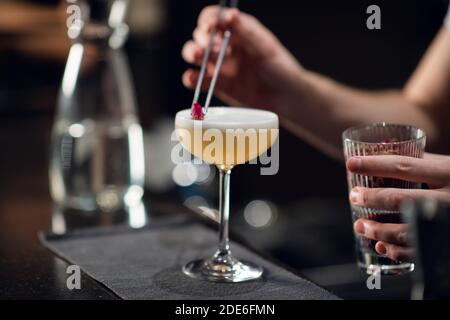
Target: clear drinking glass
<point>221,130</point>
<point>373,140</point>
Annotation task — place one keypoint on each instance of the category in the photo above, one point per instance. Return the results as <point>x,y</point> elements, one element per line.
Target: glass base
<point>223,268</point>
<point>388,270</point>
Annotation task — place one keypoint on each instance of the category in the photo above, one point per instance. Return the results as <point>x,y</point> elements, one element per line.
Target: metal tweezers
<point>226,40</point>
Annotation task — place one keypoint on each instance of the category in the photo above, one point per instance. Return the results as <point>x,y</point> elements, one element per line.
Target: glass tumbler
<point>375,140</point>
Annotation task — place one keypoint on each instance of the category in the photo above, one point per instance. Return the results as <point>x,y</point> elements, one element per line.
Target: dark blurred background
<point>306,222</point>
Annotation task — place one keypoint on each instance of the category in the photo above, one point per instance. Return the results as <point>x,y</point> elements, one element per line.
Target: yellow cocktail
<point>226,137</point>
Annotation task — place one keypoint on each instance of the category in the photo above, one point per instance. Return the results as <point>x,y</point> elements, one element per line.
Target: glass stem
<point>224,210</point>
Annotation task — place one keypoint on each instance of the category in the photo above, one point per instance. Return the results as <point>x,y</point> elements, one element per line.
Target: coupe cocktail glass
<point>227,137</point>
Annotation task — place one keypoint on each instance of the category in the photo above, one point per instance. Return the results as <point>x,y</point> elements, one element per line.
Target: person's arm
<point>260,72</point>
<point>424,102</point>
<point>321,109</point>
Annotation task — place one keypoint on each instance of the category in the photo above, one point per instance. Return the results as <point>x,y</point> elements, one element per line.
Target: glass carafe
<point>97,157</point>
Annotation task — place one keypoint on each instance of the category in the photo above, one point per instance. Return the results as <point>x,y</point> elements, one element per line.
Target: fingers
<point>386,232</point>
<point>392,238</point>
<point>208,18</point>
<point>431,171</point>
<point>201,37</point>
<point>192,53</point>
<point>248,33</point>
<point>391,198</point>
<point>433,156</point>
<point>190,78</point>
<point>394,252</point>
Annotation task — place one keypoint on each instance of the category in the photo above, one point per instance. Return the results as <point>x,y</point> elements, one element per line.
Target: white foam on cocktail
<point>223,118</point>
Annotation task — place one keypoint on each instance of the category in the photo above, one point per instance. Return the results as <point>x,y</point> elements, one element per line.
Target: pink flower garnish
<point>197,111</point>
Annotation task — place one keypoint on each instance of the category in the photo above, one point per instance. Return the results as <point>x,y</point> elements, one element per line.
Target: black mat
<point>146,264</point>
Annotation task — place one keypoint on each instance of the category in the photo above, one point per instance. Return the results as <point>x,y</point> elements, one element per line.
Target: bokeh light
<point>260,214</point>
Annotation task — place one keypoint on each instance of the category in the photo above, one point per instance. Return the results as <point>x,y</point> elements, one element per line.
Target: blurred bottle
<point>97,159</point>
